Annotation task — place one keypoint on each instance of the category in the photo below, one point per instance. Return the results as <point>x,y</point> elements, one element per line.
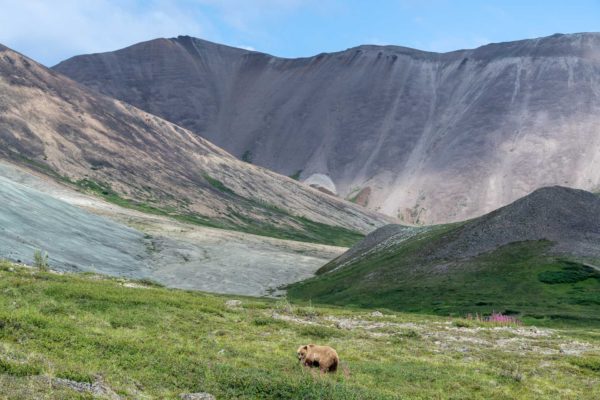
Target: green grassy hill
<point>536,258</point>
<point>146,342</point>
<point>520,278</point>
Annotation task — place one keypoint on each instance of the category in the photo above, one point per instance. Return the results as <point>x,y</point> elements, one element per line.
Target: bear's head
<point>301,352</point>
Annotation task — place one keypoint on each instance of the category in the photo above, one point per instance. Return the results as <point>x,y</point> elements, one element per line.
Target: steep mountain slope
<point>538,255</point>
<point>61,128</point>
<point>427,137</point>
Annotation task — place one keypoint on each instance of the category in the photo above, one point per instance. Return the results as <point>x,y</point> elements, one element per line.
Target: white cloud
<point>50,31</point>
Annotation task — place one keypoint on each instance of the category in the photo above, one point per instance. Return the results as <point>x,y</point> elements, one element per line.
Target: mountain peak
<point>426,137</point>
<point>553,201</point>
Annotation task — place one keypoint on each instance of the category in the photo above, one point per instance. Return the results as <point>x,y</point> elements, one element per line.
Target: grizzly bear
<point>324,357</point>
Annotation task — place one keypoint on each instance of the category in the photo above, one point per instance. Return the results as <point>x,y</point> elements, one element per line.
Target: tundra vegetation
<point>306,231</point>
<point>145,341</point>
<point>519,279</point>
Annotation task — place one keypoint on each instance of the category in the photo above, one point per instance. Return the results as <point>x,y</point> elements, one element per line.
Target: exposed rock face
<point>437,137</point>
<point>75,239</point>
<point>59,127</point>
<point>97,389</point>
<point>321,182</point>
<point>362,197</point>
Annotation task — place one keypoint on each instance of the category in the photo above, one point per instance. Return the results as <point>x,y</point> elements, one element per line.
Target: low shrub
<point>461,323</point>
<point>40,260</point>
<point>589,363</point>
<point>571,272</point>
<point>75,376</point>
<point>263,321</point>
<point>19,369</point>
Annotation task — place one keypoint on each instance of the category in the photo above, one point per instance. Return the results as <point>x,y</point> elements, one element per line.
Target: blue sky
<point>52,30</point>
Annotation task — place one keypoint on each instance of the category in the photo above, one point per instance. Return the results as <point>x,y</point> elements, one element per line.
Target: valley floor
<point>85,233</point>
<point>71,336</point>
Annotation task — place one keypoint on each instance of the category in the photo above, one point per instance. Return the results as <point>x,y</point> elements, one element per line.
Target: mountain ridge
<point>425,137</point>
<point>391,47</point>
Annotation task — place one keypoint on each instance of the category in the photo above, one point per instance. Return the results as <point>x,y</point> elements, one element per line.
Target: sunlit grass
<point>154,342</point>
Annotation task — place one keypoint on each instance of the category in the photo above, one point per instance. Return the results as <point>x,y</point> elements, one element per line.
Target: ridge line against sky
<point>53,30</point>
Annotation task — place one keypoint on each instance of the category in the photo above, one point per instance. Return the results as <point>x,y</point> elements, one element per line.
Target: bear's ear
<point>311,345</point>
<point>305,347</point>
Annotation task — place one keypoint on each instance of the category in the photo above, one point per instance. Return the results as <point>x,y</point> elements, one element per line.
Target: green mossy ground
<point>519,279</point>
<point>155,343</point>
<point>305,230</point>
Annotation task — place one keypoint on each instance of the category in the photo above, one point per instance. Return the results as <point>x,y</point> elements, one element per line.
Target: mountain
<point>538,256</point>
<point>426,137</point>
<point>56,126</point>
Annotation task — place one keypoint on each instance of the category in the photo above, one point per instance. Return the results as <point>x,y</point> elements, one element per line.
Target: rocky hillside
<point>538,255</point>
<point>427,137</point>
<point>569,218</point>
<point>100,145</point>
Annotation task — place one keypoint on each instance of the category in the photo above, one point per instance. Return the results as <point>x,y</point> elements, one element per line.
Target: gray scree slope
<point>424,136</point>
<point>84,233</point>
<point>75,240</point>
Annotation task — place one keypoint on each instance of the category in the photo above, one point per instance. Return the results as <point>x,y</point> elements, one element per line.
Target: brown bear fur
<point>324,357</point>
